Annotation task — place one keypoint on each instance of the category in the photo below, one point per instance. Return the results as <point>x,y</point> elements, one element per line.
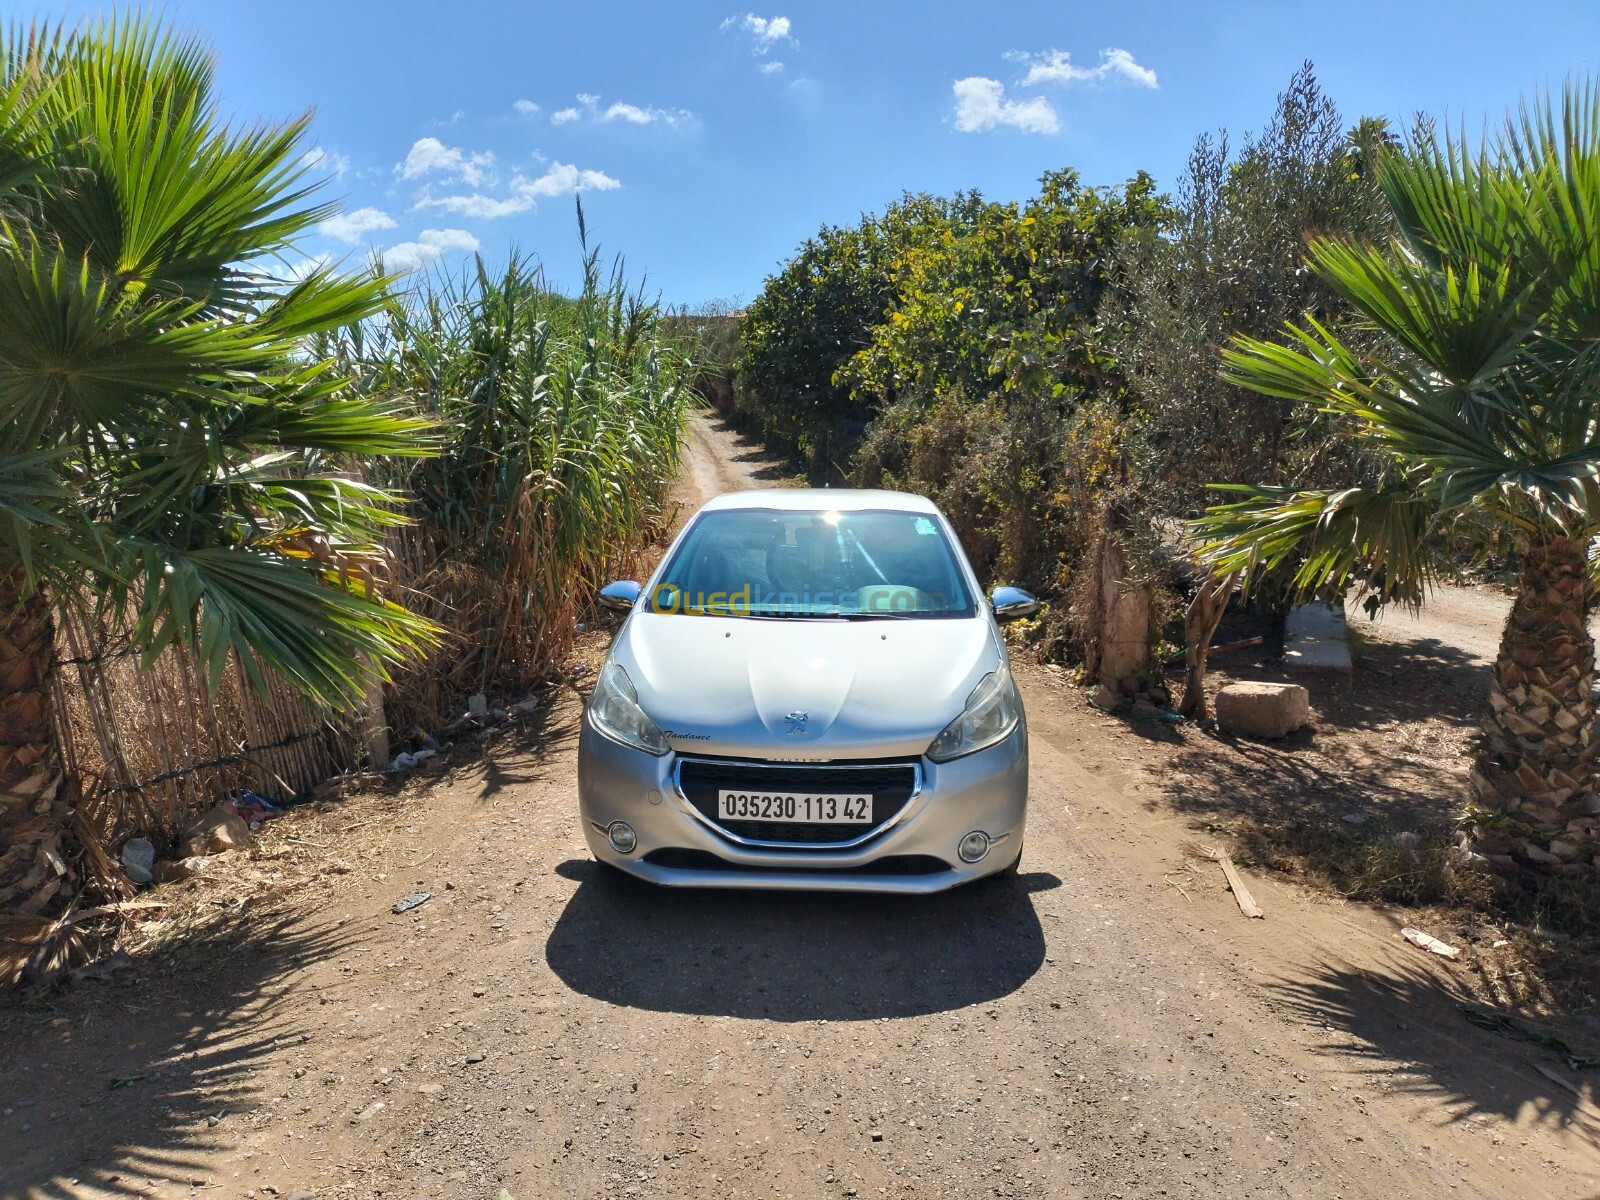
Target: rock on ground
<point>1263,710</point>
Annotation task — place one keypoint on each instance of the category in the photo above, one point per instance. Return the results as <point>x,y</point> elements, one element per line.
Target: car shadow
<point>795,956</point>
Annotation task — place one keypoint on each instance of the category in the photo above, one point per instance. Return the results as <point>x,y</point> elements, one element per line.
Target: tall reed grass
<point>561,417</point>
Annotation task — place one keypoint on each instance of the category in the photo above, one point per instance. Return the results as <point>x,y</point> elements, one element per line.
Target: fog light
<point>623,839</point>
<point>974,846</point>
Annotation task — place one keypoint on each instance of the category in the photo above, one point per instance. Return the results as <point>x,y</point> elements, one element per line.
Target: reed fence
<point>155,745</point>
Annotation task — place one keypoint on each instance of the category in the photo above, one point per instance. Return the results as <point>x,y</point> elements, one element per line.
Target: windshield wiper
<point>798,614</point>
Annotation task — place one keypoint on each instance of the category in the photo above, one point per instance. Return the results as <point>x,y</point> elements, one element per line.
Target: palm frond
<point>309,624</point>
<point>1467,325</point>
<point>164,436</point>
<point>1479,340</point>
<point>1376,537</point>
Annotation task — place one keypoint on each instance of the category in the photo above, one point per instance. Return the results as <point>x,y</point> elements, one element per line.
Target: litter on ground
<point>1428,942</point>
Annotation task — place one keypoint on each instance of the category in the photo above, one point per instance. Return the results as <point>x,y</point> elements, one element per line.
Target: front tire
<point>1013,869</point>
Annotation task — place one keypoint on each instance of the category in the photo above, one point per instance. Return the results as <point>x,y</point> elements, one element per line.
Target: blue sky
<point>708,140</point>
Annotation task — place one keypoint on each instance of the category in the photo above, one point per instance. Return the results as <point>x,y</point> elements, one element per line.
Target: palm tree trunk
<point>37,871</point>
<point>1534,777</point>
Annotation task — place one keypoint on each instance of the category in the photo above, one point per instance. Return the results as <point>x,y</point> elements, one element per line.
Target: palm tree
<point>1473,375</point>
<point>169,455</point>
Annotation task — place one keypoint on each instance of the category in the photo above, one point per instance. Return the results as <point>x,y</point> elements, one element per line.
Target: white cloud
<point>318,159</point>
<point>563,179</point>
<point>477,206</point>
<point>1056,67</point>
<point>351,227</point>
<point>632,114</point>
<point>981,105</point>
<point>525,108</point>
<point>430,245</point>
<point>771,68</point>
<point>559,179</point>
<point>765,31</point>
<point>430,154</point>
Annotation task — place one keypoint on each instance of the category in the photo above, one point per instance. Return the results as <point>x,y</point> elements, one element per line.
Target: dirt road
<point>1467,619</point>
<point>1105,1025</point>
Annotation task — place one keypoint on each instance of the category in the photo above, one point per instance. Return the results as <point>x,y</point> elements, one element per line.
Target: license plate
<point>808,808</point>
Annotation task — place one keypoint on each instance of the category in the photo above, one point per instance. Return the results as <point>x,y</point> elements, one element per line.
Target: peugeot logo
<point>797,722</point>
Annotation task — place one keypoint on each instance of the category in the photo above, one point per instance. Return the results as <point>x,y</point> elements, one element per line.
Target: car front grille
<point>890,864</point>
<point>890,784</point>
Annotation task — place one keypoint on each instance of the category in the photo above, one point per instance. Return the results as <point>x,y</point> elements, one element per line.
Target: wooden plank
<point>1247,902</point>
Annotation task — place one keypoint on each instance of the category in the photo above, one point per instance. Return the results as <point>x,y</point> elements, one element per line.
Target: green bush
<point>1022,364</point>
<point>1235,263</point>
<point>809,321</point>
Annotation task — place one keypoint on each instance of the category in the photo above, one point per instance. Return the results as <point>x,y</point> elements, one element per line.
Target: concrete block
<point>1263,710</point>
<point>1316,639</point>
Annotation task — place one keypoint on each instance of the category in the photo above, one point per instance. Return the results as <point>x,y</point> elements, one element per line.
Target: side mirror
<point>620,596</point>
<point>1011,603</point>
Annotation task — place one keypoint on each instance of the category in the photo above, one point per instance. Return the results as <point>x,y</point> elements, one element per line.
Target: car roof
<point>826,499</point>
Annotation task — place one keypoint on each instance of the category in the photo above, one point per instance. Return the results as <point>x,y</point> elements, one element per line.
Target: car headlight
<point>614,709</point>
<point>992,712</point>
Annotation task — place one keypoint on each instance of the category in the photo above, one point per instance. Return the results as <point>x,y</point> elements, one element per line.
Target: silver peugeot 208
<point>810,692</point>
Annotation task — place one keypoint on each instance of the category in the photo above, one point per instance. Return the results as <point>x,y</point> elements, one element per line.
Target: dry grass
<point>309,857</point>
<point>1533,945</point>
<point>1375,862</point>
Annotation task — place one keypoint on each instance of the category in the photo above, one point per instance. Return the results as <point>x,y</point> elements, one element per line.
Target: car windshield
<point>868,564</point>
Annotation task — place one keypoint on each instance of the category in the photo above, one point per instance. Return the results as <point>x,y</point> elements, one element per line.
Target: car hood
<point>868,689</point>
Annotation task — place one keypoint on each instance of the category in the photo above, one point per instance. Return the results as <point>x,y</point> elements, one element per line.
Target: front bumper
<point>915,854</point>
